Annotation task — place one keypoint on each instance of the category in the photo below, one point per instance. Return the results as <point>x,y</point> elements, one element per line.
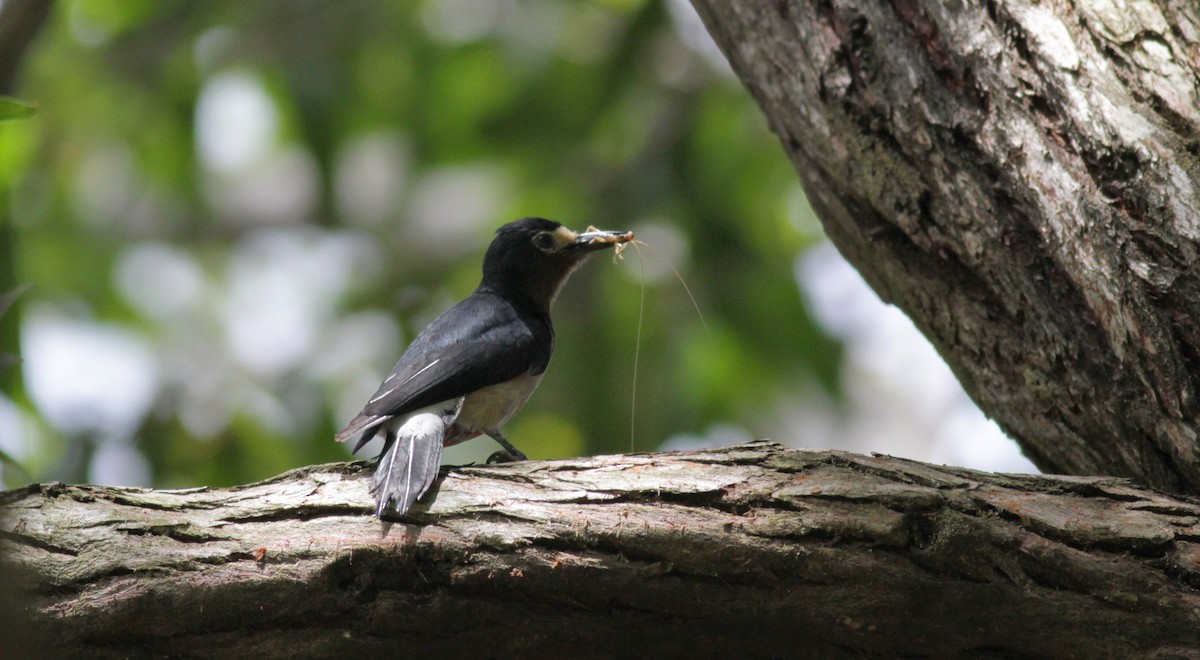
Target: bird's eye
<point>544,241</point>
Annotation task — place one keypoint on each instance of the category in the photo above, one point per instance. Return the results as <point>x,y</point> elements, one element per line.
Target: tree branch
<point>753,550</point>
<point>1020,178</point>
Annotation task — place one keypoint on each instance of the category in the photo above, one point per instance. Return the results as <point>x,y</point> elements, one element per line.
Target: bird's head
<point>532,257</point>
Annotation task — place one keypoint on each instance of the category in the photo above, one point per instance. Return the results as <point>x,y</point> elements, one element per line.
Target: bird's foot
<point>505,456</point>
<point>508,454</point>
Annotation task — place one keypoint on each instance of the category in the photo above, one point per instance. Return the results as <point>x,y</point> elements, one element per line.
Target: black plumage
<point>475,365</point>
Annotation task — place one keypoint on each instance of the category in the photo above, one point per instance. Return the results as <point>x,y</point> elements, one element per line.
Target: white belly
<point>489,408</point>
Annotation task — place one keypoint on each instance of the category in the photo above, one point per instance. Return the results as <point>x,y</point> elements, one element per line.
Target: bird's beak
<point>595,239</point>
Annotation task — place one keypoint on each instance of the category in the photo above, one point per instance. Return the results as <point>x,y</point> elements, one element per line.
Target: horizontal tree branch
<point>755,549</point>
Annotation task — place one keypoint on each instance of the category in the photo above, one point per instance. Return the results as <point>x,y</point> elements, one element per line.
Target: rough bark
<point>750,551</point>
<point>1019,177</point>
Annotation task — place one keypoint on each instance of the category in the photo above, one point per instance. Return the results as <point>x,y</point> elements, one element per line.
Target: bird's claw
<point>505,456</point>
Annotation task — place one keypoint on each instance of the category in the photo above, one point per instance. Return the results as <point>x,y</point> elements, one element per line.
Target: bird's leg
<point>506,455</point>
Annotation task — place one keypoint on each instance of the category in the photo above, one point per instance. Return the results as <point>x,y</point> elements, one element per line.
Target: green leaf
<point>12,109</point>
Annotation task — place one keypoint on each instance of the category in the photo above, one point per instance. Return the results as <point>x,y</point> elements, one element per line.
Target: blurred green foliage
<point>398,135</point>
<point>12,109</point>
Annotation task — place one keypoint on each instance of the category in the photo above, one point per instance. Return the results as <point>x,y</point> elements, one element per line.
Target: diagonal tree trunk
<point>751,551</point>
<point>1021,178</point>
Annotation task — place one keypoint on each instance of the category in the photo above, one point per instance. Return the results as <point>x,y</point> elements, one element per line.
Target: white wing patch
<point>399,385</point>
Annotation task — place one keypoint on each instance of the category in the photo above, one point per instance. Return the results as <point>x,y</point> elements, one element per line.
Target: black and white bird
<point>477,364</point>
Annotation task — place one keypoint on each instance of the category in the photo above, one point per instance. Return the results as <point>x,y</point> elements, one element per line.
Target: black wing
<point>481,341</point>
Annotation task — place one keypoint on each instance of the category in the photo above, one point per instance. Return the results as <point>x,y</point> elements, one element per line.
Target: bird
<point>471,369</point>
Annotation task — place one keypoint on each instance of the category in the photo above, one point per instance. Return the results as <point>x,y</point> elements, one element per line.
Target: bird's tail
<point>409,463</point>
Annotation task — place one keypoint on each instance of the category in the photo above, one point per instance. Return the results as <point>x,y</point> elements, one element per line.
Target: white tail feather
<point>410,463</point>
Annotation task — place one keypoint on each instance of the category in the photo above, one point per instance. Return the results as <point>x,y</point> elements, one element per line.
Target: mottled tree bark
<point>749,551</point>
<point>1021,178</point>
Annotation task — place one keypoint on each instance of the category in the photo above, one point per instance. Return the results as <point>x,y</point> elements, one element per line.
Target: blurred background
<point>235,215</point>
